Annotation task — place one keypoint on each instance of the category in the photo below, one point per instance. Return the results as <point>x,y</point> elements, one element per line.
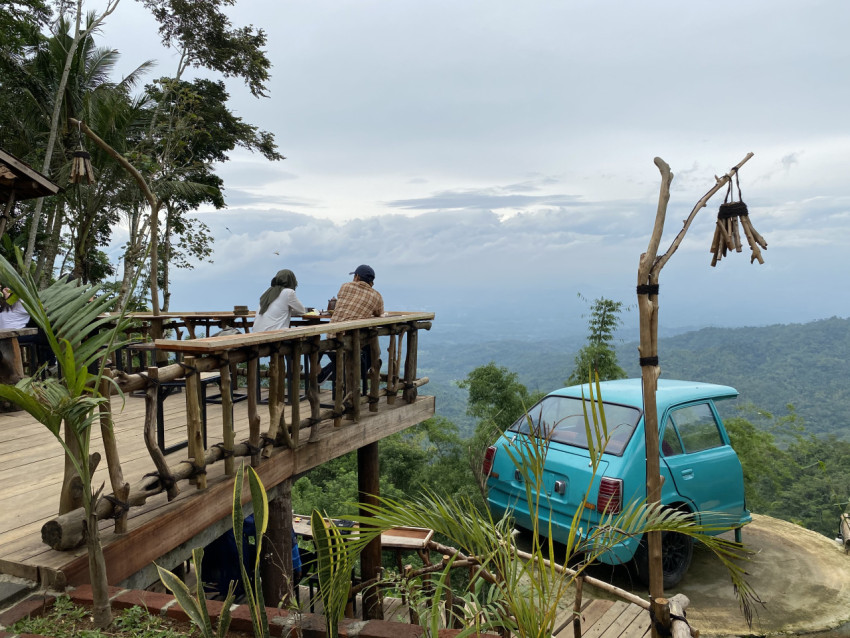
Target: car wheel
<point>677,550</point>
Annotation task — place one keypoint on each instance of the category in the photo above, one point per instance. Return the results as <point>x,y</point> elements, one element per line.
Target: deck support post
<point>277,548</point>
<point>368,471</point>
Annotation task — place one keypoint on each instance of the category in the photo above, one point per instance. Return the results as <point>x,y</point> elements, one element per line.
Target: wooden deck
<point>31,466</point>
<point>599,618</point>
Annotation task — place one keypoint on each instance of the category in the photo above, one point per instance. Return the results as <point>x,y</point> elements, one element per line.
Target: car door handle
<point>688,474</point>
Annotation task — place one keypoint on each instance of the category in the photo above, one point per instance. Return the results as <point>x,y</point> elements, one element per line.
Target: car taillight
<point>487,464</point>
<point>610,499</point>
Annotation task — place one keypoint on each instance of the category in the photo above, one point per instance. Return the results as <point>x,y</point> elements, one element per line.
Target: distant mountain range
<point>807,365</point>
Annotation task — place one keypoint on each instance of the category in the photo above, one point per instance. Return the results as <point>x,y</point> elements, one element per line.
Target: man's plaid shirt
<point>357,300</point>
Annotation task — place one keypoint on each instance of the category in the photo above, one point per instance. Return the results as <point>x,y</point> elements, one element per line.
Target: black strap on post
<point>648,361</point>
<point>648,289</point>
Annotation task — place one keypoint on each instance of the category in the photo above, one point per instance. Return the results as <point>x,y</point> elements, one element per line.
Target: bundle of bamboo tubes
<point>726,233</point>
<point>81,168</point>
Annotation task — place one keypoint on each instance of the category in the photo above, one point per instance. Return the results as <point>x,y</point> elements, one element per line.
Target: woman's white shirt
<point>279,312</point>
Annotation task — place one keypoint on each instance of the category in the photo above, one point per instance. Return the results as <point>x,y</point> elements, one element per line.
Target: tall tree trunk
<point>54,128</point>
<point>154,260</point>
<point>47,259</point>
<point>57,110</point>
<point>166,259</point>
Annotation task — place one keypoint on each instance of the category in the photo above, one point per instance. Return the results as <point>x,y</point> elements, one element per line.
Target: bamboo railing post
<point>194,426</point>
<point>295,391</point>
<point>228,435</point>
<point>253,415</point>
<point>313,388</point>
<point>410,393</point>
<point>158,458</point>
<point>392,370</point>
<point>275,399</point>
<point>374,370</point>
<point>577,608</point>
<point>339,385</point>
<point>120,489</point>
<point>354,373</point>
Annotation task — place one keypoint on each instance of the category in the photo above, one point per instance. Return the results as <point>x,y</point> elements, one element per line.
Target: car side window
<point>670,445</point>
<point>697,427</point>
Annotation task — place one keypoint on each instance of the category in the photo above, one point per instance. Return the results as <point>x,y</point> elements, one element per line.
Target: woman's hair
<point>283,279</point>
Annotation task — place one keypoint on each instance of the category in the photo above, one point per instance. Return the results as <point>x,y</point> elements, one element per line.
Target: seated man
<point>356,299</point>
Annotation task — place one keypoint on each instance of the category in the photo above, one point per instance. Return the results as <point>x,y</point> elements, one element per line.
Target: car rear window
<point>562,420</point>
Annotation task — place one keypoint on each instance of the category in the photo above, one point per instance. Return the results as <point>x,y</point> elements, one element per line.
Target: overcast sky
<point>496,157</point>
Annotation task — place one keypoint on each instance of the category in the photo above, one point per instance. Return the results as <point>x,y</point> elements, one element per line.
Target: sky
<point>493,160</point>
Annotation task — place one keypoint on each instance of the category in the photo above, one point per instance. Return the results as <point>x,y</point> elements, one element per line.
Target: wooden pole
<point>354,374</point>
<point>368,476</point>
<point>194,427</point>
<point>313,389</point>
<point>120,489</point>
<point>277,549</point>
<point>151,399</point>
<point>295,391</point>
<point>228,434</point>
<point>649,269</point>
<point>392,370</point>
<point>339,386</point>
<point>410,393</point>
<point>374,371</point>
<point>276,366</point>
<point>253,415</point>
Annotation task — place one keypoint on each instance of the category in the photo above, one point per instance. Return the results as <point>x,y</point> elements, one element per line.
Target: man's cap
<point>364,272</point>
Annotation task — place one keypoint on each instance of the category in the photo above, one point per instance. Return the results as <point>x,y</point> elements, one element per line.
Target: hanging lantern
<point>81,168</point>
<point>727,235</point>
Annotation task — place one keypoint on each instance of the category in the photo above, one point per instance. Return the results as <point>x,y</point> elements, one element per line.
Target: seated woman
<point>278,303</point>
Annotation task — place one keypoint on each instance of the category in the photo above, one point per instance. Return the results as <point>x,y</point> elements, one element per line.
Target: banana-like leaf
<point>334,560</point>
<point>187,602</point>
<point>254,594</point>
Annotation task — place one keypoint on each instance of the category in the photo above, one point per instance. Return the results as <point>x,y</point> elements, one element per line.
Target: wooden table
<point>156,325</point>
<point>396,539</point>
<point>11,364</point>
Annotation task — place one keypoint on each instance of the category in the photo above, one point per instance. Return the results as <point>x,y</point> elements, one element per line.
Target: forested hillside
<point>807,365</point>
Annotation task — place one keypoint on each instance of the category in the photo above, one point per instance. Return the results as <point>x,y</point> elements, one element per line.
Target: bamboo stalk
<point>253,415</point>
<point>374,371</point>
<point>228,434</point>
<point>409,393</point>
<point>354,374</point>
<point>194,427</point>
<point>313,389</point>
<point>392,362</point>
<point>295,392</point>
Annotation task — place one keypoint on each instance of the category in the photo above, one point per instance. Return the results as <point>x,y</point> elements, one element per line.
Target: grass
<point>68,620</point>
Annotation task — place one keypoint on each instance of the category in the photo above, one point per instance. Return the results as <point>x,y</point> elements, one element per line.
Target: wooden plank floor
<point>599,618</point>
<point>31,467</point>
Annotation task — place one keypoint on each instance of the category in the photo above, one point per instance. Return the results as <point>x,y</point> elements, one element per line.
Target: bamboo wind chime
<point>81,168</point>
<point>726,233</point>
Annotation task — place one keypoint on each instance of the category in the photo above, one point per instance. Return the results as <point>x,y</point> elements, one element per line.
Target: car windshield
<point>562,420</point>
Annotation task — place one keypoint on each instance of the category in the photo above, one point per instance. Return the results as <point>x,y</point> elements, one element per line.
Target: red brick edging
<point>281,621</point>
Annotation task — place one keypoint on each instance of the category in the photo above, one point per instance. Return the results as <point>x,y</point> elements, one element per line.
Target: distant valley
<point>807,365</point>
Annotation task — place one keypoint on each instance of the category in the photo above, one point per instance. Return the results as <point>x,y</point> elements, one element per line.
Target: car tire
<point>677,550</point>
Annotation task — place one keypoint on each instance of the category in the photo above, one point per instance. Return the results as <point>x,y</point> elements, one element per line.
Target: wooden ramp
<point>31,467</point>
<point>599,618</point>
<point>609,619</point>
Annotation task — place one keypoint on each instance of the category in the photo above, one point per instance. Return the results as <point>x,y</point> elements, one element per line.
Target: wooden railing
<point>294,357</point>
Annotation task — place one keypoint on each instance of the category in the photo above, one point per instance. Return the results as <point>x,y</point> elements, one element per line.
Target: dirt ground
<point>802,577</point>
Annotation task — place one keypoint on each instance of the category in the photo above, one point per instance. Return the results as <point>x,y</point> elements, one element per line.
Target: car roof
<point>670,392</point>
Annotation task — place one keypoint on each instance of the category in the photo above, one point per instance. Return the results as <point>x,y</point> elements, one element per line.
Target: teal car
<point>701,472</point>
